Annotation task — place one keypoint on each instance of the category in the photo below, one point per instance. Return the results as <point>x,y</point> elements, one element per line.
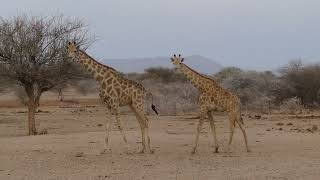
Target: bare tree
<point>33,55</point>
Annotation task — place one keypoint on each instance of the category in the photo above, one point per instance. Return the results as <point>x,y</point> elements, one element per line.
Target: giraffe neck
<point>197,79</point>
<point>92,66</point>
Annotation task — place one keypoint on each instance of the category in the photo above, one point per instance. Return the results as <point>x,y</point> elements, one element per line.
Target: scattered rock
<point>79,154</point>
<point>280,129</point>
<point>257,116</point>
<point>148,165</point>
<point>280,124</point>
<point>170,132</point>
<point>289,124</point>
<point>268,130</point>
<point>42,111</point>
<point>99,125</point>
<point>43,131</point>
<point>308,129</point>
<point>314,128</point>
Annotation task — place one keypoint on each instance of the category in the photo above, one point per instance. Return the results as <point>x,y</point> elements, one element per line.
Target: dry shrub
<point>86,86</point>
<point>303,82</point>
<point>21,95</point>
<point>260,105</point>
<point>172,98</point>
<point>292,106</point>
<point>253,88</point>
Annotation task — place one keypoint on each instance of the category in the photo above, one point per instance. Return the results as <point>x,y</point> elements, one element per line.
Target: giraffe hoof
<point>248,150</point>
<point>142,151</point>
<point>216,150</point>
<point>151,151</point>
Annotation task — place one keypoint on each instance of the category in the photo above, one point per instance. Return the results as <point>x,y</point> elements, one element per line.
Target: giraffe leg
<point>213,129</point>
<point>231,126</point>
<point>198,132</point>
<point>149,141</point>
<point>120,127</point>
<point>143,140</point>
<point>244,135</point>
<point>143,122</point>
<point>108,128</point>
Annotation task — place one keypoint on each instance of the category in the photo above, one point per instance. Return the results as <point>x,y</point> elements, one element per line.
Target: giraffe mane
<point>108,67</point>
<point>206,77</point>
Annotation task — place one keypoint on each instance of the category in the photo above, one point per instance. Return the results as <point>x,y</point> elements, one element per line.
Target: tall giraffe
<point>212,98</point>
<point>116,91</point>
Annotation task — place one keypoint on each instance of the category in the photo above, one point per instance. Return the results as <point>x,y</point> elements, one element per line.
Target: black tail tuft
<point>153,107</point>
<point>241,120</point>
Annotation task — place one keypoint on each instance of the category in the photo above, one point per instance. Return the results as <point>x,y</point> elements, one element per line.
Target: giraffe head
<point>73,50</point>
<point>177,60</point>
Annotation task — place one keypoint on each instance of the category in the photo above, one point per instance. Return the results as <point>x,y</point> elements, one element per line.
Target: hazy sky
<point>255,34</point>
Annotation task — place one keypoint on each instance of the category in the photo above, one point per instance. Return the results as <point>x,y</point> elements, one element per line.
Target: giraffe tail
<point>241,119</point>
<point>153,107</point>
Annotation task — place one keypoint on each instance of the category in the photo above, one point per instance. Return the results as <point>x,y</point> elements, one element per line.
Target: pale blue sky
<point>254,34</point>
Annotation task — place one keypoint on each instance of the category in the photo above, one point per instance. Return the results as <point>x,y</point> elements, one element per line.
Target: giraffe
<point>116,91</point>
<point>212,98</point>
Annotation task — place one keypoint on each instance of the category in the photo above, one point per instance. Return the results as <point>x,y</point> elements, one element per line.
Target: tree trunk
<point>33,103</point>
<point>31,117</point>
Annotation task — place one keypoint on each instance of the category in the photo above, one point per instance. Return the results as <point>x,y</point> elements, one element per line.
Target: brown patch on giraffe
<point>103,85</point>
<point>117,90</point>
<point>108,81</point>
<point>98,69</point>
<point>98,78</point>
<point>109,89</point>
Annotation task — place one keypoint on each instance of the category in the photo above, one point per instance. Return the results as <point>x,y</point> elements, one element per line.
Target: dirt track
<point>276,154</point>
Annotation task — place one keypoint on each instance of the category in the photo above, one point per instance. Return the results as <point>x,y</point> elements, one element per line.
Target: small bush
<point>292,106</point>
<point>164,75</point>
<point>21,95</point>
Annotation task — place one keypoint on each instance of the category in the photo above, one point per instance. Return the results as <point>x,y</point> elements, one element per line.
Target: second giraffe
<point>212,98</point>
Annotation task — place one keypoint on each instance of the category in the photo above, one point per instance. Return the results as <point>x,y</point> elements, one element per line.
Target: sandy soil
<point>283,147</point>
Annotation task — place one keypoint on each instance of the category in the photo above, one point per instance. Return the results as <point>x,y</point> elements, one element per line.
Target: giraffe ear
<point>182,59</point>
<point>78,47</point>
<point>172,59</point>
<point>69,43</point>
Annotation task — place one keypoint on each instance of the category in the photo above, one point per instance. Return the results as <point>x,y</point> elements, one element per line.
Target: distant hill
<point>199,63</point>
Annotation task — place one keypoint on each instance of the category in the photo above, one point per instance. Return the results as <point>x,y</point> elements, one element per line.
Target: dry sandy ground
<point>290,153</point>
